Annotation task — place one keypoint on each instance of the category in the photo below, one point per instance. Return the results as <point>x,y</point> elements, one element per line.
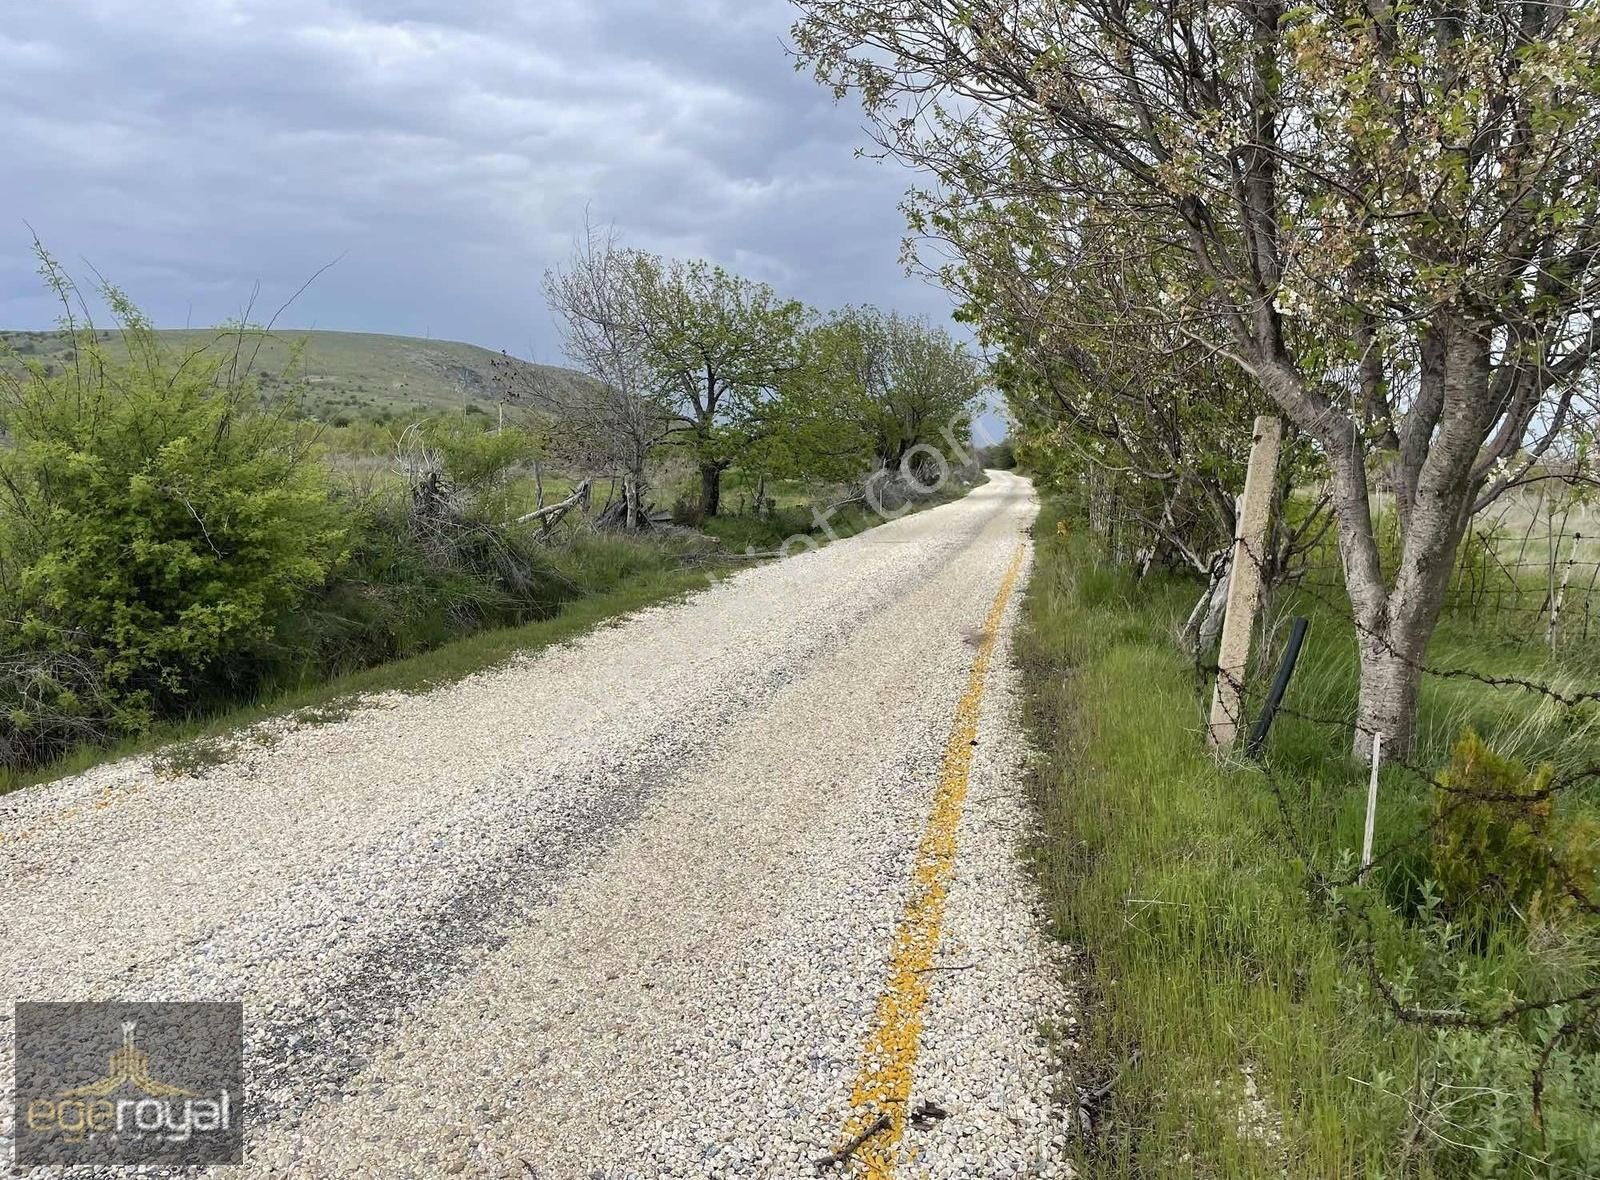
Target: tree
<point>613,423</point>
<point>879,386</point>
<point>1106,396</point>
<point>1386,216</point>
<point>718,348</point>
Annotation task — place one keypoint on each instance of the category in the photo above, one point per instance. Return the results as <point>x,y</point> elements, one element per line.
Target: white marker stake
<point>1372,806</point>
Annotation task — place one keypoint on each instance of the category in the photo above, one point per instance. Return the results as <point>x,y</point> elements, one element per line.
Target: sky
<point>444,152</point>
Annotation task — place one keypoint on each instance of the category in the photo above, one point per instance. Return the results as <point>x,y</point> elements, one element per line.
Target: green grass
<point>1207,952</point>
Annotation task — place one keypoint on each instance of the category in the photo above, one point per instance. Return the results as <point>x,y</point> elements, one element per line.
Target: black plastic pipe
<point>1280,685</point>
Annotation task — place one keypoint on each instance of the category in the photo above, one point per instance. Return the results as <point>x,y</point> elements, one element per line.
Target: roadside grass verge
<point>1231,1027</point>
<point>606,577</point>
<point>194,739</point>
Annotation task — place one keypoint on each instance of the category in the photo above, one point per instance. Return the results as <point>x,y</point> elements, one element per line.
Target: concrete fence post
<point>1244,586</point>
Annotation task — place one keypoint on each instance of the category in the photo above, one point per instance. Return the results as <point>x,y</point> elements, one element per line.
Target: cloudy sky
<point>446,151</point>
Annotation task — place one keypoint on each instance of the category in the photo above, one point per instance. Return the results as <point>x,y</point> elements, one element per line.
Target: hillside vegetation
<point>339,374</point>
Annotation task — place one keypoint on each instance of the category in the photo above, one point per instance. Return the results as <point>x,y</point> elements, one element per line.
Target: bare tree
<point>610,424</point>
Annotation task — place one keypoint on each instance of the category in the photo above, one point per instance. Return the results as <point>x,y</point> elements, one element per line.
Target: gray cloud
<point>448,149</point>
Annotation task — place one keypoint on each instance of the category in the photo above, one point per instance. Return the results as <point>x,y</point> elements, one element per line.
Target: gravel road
<point>701,894</point>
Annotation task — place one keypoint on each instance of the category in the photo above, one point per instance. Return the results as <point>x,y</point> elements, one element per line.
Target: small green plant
<point>1499,846</point>
<point>191,759</point>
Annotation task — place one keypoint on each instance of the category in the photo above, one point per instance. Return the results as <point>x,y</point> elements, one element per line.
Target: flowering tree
<point>1105,391</point>
<point>1387,215</point>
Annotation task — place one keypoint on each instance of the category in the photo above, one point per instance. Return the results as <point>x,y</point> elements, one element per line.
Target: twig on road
<point>833,1159</point>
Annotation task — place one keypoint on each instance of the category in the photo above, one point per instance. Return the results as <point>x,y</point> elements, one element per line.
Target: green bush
<point>1499,848</point>
<point>155,528</point>
<point>398,593</point>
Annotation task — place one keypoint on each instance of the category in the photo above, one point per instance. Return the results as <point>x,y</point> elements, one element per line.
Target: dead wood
<point>833,1159</point>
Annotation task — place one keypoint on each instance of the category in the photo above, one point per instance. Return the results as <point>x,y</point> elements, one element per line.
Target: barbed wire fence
<point>1346,885</point>
<point>1520,640</point>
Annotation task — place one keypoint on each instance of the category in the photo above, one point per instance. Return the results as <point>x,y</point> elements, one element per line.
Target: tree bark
<point>1395,625</point>
<point>1391,684</point>
<point>710,488</point>
<point>632,496</point>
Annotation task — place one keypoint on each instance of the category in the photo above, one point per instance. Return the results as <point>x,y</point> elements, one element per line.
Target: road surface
<point>706,893</point>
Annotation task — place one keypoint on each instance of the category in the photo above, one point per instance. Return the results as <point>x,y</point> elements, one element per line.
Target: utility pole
<point>1244,584</point>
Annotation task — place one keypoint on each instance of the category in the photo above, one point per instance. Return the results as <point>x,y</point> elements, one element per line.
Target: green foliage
<point>719,347</point>
<point>1481,1119</point>
<point>1499,847</point>
<point>1201,948</point>
<point>156,526</point>
<point>481,461</point>
<point>476,456</point>
<point>875,389</point>
<point>1000,456</point>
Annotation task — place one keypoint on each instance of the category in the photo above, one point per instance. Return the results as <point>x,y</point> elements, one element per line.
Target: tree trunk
<point>710,488</point>
<point>1394,625</point>
<point>1391,681</point>
<point>632,496</point>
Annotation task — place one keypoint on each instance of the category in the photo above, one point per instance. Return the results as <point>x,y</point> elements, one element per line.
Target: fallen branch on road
<point>832,1160</point>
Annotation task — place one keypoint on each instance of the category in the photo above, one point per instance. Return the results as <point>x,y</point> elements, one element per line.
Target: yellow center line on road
<point>888,1063</point>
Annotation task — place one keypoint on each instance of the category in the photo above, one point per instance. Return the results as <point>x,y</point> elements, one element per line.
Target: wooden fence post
<point>1244,584</point>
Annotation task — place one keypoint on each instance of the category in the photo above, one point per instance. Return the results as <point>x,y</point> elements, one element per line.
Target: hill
<point>361,373</point>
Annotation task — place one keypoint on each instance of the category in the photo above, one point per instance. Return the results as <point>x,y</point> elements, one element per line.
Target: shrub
<point>398,593</point>
<point>155,528</point>
<point>1499,847</point>
<point>477,461</point>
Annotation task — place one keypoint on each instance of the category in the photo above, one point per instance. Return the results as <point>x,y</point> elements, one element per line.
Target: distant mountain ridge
<point>356,372</point>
